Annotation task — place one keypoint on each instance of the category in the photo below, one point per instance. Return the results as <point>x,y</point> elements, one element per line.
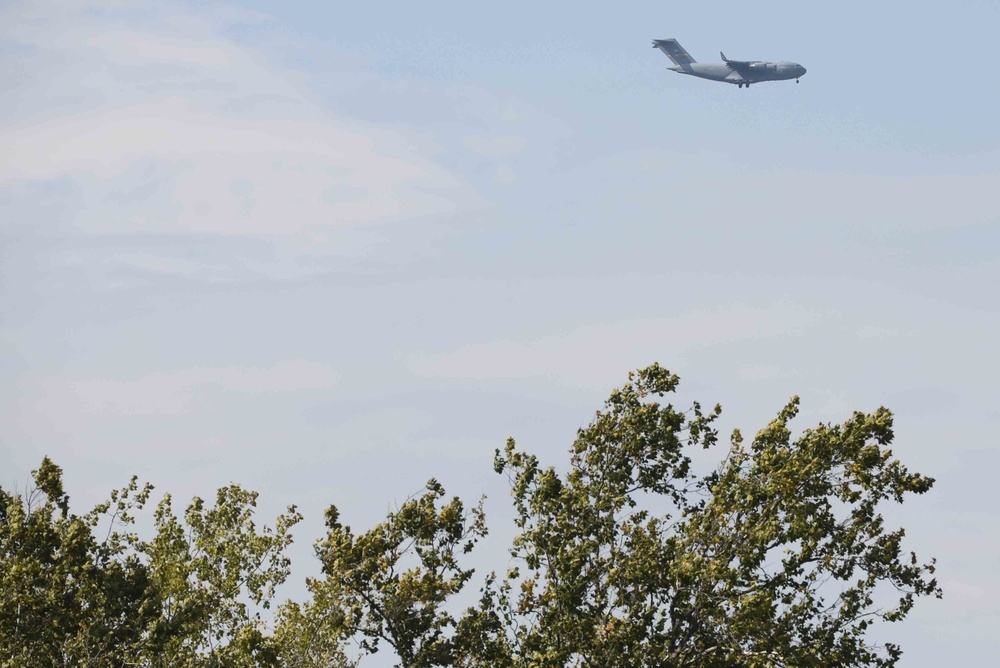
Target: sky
<point>328,251</point>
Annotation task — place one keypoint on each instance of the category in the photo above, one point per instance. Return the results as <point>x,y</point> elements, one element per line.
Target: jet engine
<point>763,67</point>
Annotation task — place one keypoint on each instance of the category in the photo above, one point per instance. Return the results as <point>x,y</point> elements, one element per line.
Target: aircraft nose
<point>802,70</point>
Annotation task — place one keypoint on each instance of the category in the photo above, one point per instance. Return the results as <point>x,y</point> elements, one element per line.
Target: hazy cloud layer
<point>592,356</point>
<point>174,393</point>
<point>163,123</point>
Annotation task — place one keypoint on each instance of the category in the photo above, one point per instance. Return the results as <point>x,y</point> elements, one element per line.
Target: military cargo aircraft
<point>739,72</point>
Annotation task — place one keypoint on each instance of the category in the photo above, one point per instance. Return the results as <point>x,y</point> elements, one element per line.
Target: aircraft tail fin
<point>674,51</point>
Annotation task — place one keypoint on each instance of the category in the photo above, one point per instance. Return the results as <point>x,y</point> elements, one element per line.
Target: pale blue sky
<point>329,251</point>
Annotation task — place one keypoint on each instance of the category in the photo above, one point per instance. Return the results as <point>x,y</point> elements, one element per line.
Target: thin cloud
<point>595,355</point>
<point>170,130</point>
<point>173,393</point>
<point>494,147</point>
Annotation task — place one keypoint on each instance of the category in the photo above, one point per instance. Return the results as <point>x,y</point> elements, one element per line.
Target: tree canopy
<point>775,558</point>
<point>87,591</point>
<point>777,555</point>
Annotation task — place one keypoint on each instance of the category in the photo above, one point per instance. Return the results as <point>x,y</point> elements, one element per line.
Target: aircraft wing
<point>741,66</point>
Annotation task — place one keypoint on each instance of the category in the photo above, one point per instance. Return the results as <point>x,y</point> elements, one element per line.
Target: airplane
<point>739,72</point>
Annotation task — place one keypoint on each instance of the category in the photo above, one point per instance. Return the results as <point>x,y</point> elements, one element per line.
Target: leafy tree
<point>391,584</point>
<point>68,598</point>
<point>776,558</point>
<point>310,635</point>
<point>65,598</point>
<point>205,569</point>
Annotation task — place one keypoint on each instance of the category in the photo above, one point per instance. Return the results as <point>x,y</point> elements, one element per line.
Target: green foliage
<point>65,598</point>
<point>310,635</point>
<point>773,559</point>
<point>204,569</point>
<point>391,583</point>
<point>778,556</point>
<point>68,598</point>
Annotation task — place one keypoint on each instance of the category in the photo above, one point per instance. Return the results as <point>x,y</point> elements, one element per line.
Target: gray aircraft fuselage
<point>739,72</point>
